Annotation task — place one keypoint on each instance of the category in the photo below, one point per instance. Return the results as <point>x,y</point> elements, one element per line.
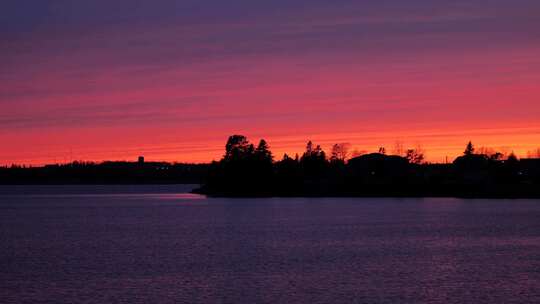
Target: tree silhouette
<point>309,148</point>
<point>244,169</point>
<point>512,158</point>
<point>319,153</point>
<point>313,161</point>
<point>288,174</point>
<point>237,147</point>
<point>340,152</point>
<point>496,156</point>
<point>263,153</point>
<point>414,156</point>
<point>311,152</point>
<point>469,150</point>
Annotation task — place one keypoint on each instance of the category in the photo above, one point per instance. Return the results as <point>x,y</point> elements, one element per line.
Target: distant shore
<point>105,173</point>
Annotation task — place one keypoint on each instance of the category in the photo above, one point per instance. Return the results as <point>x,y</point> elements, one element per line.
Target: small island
<point>247,170</point>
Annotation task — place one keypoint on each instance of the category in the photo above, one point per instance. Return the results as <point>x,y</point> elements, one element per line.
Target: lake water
<point>155,244</point>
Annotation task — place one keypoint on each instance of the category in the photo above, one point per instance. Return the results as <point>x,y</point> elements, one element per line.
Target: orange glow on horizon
<point>439,145</point>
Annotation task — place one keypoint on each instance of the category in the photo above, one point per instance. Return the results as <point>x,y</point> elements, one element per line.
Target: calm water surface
<point>155,244</point>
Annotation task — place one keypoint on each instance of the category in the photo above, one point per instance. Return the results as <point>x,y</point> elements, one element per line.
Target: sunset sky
<point>171,80</point>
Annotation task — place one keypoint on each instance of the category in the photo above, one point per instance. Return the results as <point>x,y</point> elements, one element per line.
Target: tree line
<point>251,170</point>
<point>109,172</point>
